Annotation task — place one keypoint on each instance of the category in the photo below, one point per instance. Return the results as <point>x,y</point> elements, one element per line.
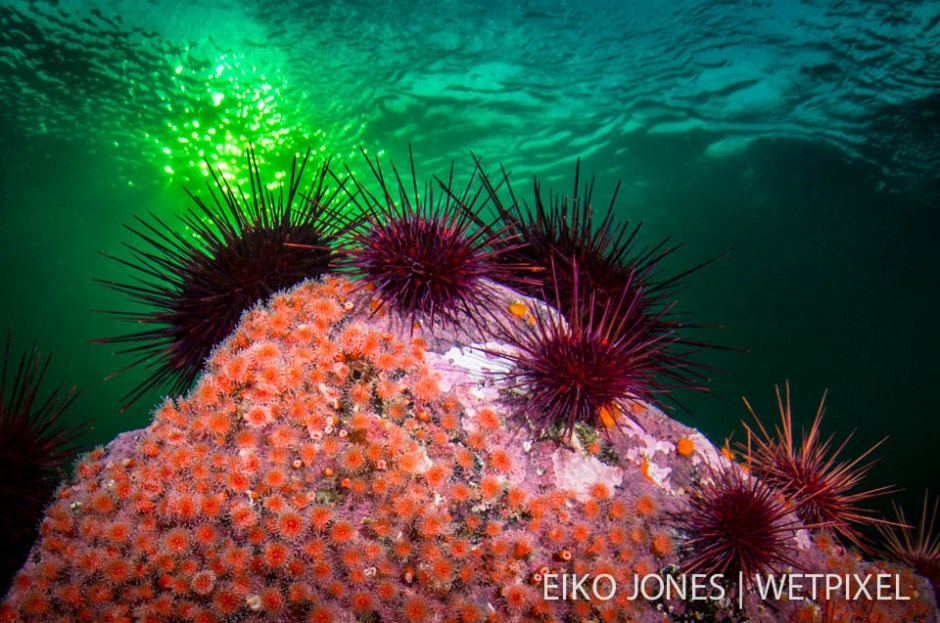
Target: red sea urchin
<point>427,254</point>
<point>586,368</point>
<point>810,472</point>
<point>918,548</point>
<point>35,447</point>
<point>561,228</point>
<point>736,525</point>
<point>246,248</point>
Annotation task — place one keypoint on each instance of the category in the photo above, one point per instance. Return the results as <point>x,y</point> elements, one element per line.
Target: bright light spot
<point>249,106</point>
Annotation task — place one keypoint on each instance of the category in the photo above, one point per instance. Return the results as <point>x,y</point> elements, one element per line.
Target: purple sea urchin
<point>583,369</point>
<point>245,248</point>
<point>427,254</point>
<point>35,447</point>
<point>560,229</point>
<point>736,524</point>
<point>810,472</point>
<point>920,547</point>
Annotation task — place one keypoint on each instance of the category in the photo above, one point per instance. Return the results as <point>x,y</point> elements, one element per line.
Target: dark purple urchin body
<point>585,368</point>
<point>736,524</point>
<point>428,253</point>
<point>810,473</point>
<point>245,248</point>
<point>35,449</point>
<point>562,229</point>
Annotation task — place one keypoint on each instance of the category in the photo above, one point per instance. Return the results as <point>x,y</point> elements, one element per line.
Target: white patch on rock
<point>576,472</point>
<point>659,475</point>
<point>650,446</point>
<point>708,452</point>
<point>425,464</point>
<point>446,374</point>
<point>712,456</point>
<point>479,363</point>
<point>656,473</point>
<point>803,540</point>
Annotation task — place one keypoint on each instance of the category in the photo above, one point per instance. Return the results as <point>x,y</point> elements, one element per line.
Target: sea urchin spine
<point>245,249</point>
<point>35,447</point>
<point>810,472</point>
<point>920,547</point>
<point>560,229</point>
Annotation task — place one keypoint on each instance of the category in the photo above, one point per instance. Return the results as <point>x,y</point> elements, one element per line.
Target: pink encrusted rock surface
<point>337,465</point>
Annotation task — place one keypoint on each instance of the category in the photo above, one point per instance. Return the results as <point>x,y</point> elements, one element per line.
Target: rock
<point>333,464</point>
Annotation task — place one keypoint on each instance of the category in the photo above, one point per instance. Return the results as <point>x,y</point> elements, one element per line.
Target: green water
<point>769,131</point>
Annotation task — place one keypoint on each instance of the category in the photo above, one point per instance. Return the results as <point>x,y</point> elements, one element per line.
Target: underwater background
<point>801,137</point>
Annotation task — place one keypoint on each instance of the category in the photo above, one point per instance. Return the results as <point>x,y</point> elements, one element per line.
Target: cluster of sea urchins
<point>602,265</point>
<point>744,524</point>
<point>428,252</point>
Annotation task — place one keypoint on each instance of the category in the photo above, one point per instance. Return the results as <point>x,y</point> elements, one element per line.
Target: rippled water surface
<point>804,137</point>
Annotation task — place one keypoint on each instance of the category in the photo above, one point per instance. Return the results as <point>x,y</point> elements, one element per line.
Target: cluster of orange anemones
<point>365,487</point>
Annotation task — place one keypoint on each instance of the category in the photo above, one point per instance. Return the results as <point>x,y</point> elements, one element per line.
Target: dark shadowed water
<point>803,137</point>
